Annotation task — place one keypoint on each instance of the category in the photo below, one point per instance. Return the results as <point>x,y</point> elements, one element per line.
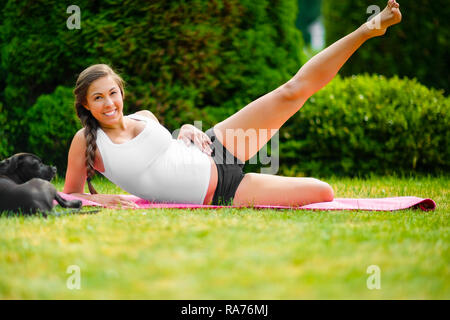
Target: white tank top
<point>155,166</point>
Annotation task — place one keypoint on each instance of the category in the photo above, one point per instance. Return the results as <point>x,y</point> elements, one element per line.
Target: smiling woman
<point>92,100</point>
<point>180,170</point>
<point>108,102</point>
<point>139,155</point>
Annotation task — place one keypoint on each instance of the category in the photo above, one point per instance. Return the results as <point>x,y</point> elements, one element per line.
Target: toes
<point>390,3</point>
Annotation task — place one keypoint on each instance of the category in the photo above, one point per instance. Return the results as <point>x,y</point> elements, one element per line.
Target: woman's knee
<point>320,191</point>
<point>296,90</point>
<point>326,191</point>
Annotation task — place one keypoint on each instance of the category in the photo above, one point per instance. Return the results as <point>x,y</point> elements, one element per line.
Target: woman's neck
<point>120,125</point>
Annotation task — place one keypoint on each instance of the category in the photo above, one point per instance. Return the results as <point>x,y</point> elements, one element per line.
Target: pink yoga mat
<point>371,204</point>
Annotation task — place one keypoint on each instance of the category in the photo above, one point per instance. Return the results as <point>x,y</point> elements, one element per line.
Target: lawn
<point>235,253</point>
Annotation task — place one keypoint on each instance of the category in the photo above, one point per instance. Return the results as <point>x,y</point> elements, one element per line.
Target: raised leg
<point>248,130</point>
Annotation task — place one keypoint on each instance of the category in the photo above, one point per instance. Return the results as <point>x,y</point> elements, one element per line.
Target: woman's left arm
<point>189,133</point>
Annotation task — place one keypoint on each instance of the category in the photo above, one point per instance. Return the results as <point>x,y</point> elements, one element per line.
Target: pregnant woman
<point>139,155</point>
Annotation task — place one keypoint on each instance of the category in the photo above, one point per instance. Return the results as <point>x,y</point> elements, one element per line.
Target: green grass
<point>235,253</point>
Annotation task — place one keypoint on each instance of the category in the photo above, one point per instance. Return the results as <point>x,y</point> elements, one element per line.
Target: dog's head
<point>22,167</point>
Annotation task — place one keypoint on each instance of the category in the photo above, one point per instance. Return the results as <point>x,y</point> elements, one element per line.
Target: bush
<point>4,145</point>
<point>52,123</point>
<point>416,48</point>
<point>184,61</point>
<point>368,124</point>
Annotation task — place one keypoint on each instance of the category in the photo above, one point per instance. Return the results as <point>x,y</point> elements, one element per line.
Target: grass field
<point>235,253</point>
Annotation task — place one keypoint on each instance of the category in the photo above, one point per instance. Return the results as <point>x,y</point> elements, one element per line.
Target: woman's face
<point>105,102</point>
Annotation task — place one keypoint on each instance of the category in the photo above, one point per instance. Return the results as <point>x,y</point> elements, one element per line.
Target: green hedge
<point>183,60</point>
<point>417,47</point>
<point>52,123</point>
<point>368,124</point>
<point>4,145</point>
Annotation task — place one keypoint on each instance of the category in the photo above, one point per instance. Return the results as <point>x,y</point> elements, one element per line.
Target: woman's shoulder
<point>79,143</point>
<point>146,114</point>
<point>81,134</point>
<point>79,139</point>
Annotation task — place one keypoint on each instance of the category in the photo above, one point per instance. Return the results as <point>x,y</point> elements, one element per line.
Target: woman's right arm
<point>76,165</point>
<point>76,176</point>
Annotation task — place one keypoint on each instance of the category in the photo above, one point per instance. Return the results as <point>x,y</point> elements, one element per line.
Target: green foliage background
<point>366,124</point>
<point>52,123</point>
<point>418,47</point>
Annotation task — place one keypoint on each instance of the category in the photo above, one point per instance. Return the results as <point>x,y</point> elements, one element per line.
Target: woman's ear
<point>86,107</point>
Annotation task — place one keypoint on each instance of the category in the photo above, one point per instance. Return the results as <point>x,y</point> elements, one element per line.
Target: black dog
<point>25,186</point>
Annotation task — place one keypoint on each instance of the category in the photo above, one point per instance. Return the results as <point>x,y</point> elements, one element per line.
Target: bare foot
<point>389,16</point>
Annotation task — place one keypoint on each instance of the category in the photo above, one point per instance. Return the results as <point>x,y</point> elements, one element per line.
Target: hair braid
<point>91,146</point>
<point>90,132</point>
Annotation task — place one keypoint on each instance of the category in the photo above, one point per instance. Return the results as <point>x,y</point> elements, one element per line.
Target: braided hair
<point>90,124</point>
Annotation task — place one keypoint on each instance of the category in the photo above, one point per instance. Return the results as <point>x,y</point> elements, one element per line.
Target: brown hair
<point>90,124</point>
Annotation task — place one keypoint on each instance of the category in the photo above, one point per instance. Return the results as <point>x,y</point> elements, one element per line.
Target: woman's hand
<point>113,201</point>
<point>189,133</point>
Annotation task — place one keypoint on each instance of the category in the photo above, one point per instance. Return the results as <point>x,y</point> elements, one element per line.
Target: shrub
<point>417,47</point>
<point>368,124</point>
<point>4,145</point>
<point>52,123</point>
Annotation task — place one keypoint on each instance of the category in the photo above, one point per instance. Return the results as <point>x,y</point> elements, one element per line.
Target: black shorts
<point>229,171</point>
